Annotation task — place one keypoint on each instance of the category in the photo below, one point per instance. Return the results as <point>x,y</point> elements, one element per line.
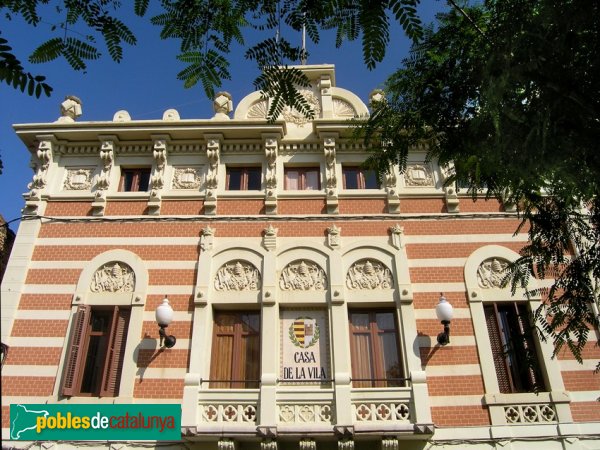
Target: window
<point>236,350</point>
<point>376,361</point>
<point>513,347</point>
<point>357,178</point>
<point>244,178</point>
<point>96,350</point>
<point>134,180</point>
<point>302,179</point>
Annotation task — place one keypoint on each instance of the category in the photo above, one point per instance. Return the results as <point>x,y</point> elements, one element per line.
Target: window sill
<point>128,196</point>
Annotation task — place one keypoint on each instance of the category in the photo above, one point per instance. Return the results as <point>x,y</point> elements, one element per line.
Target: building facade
<point>303,287</point>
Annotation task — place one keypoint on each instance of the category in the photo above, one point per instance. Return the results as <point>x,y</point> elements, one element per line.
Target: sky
<point>145,84</point>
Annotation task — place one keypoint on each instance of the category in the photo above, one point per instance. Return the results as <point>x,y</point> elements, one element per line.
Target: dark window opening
<point>244,178</point>
<point>134,180</point>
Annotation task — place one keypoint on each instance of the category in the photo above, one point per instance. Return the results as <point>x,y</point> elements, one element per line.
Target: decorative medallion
<point>78,179</point>
<point>418,175</point>
<point>295,116</point>
<point>491,272</point>
<point>300,276</point>
<point>365,274</point>
<point>186,178</point>
<point>113,277</point>
<point>238,276</point>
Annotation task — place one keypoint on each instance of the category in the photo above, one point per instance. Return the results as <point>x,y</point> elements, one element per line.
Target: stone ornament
<point>382,412</point>
<point>333,236</point>
<point>259,110</point>
<point>330,160</point>
<point>171,115</point>
<point>365,274</point>
<point>541,413</point>
<point>307,444</point>
<point>159,152</point>
<point>113,277</point>
<point>418,175</point>
<point>491,272</point>
<point>238,276</point>
<point>296,117</point>
<point>342,108</point>
<point>187,178</point>
<point>222,105</point>
<point>44,156</point>
<point>397,233</point>
<point>70,109</point>
<point>78,179</point>
<point>270,237</point>
<point>376,97</point>
<point>122,116</point>
<point>207,237</point>
<point>300,276</point>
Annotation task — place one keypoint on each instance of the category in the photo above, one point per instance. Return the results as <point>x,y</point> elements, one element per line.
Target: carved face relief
<point>491,272</point>
<point>368,274</point>
<point>113,277</point>
<point>78,179</point>
<point>186,178</point>
<point>418,175</point>
<point>237,276</point>
<point>302,276</point>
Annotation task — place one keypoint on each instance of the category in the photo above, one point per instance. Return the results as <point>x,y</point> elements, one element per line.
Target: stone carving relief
<point>270,237</point>
<point>157,180</point>
<point>238,276</point>
<point>78,179</point>
<point>365,274</point>
<point>107,157</point>
<point>207,236</point>
<point>212,153</point>
<point>542,413</point>
<point>187,178</point>
<point>259,110</point>
<point>44,156</point>
<point>333,236</point>
<point>364,412</point>
<point>296,117</point>
<point>305,413</point>
<point>419,175</point>
<point>330,177</point>
<point>300,276</point>
<point>228,412</point>
<point>342,108</point>
<point>271,155</point>
<point>70,109</point>
<point>113,277</point>
<point>491,272</point>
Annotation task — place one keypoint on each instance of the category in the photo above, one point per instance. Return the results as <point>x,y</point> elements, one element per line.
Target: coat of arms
<point>304,332</point>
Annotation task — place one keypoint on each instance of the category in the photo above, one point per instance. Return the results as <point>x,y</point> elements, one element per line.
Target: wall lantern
<point>164,316</point>
<point>444,313</point>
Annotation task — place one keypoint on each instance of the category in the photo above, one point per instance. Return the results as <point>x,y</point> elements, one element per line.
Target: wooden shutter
<point>532,374</point>
<point>74,357</point>
<point>115,353</point>
<point>502,374</point>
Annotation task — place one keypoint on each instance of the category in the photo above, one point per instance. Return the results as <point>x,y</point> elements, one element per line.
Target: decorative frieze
<point>300,276</point>
<point>228,413</point>
<point>238,276</point>
<point>368,274</point>
<point>541,413</point>
<point>305,413</point>
<point>78,179</point>
<point>371,412</point>
<point>188,178</point>
<point>491,272</point>
<point>296,117</point>
<point>342,108</point>
<point>113,277</point>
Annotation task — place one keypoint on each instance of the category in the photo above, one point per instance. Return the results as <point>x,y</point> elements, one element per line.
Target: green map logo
<point>143,422</point>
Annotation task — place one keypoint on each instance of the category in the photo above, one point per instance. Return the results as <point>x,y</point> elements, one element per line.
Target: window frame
<point>360,177</point>
<point>244,177</point>
<point>302,171</point>
<point>78,352</point>
<point>239,378</point>
<point>377,363</point>
<point>138,175</point>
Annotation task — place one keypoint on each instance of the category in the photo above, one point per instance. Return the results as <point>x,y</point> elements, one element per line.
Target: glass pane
<point>371,181</point>
<point>391,363</point>
<point>224,322</point>
<point>350,178</point>
<point>222,361</point>
<point>385,321</point>
<point>144,180</point>
<point>361,360</point>
<point>94,363</point>
<point>250,323</point>
<point>234,177</point>
<point>251,363</point>
<point>127,180</point>
<point>254,175</point>
<point>360,321</point>
<point>291,178</point>
<point>311,180</point>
